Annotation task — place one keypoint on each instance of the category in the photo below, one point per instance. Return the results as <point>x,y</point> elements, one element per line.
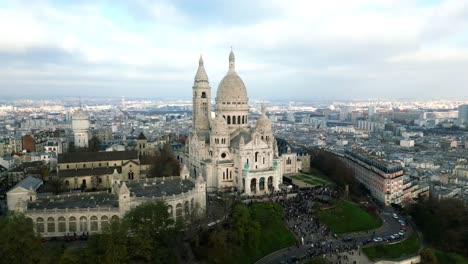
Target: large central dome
<point>231,87</point>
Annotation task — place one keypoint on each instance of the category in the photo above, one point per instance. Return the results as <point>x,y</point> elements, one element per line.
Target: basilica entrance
<point>253,185</point>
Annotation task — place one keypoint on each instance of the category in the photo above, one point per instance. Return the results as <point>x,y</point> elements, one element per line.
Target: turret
<point>201,99</point>
<point>142,142</point>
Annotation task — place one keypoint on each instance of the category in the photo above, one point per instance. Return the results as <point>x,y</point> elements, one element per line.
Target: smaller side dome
<point>263,123</point>
<point>141,136</point>
<point>219,123</point>
<point>201,73</point>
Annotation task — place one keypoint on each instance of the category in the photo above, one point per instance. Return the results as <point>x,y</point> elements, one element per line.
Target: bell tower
<point>201,99</point>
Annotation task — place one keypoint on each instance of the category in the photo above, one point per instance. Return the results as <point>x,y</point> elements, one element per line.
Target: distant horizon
<point>188,98</point>
<point>285,50</point>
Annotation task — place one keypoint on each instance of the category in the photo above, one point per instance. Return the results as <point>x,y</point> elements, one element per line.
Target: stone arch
<point>72,224</point>
<point>270,183</point>
<point>178,210</point>
<point>40,225</point>
<point>186,208</point>
<point>114,218</point>
<point>94,223</point>
<point>238,120</point>
<point>50,225</point>
<point>62,225</point>
<point>83,224</point>
<point>253,185</point>
<point>243,119</point>
<point>170,210</point>
<point>261,184</point>
<point>203,95</point>
<point>104,221</point>
<point>228,120</point>
<point>233,119</point>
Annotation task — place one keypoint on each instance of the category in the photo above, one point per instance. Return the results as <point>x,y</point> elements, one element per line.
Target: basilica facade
<point>226,150</point>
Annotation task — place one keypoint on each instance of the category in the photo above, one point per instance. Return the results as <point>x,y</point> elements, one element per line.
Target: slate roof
<point>89,171</point>
<point>29,182</point>
<point>97,156</point>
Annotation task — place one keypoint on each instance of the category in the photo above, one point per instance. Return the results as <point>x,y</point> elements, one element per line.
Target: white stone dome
<point>231,87</point>
<point>263,123</point>
<point>219,124</point>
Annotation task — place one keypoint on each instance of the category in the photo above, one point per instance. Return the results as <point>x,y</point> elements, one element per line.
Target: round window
<point>223,155</point>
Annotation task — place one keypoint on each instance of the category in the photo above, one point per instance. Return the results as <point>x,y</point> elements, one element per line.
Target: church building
<point>225,150</point>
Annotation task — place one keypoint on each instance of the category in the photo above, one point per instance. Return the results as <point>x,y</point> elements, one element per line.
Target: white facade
<point>407,143</point>
<point>226,149</point>
<point>80,126</point>
<point>69,219</point>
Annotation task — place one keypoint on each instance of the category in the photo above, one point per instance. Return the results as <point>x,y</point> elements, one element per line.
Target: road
<point>320,241</point>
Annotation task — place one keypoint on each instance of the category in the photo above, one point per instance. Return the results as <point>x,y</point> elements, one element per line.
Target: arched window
<point>40,225</point>
<point>178,211</point>
<point>114,218</point>
<point>233,120</point>
<point>186,208</point>
<point>261,184</point>
<point>270,183</point>
<point>203,95</point>
<point>243,119</point>
<point>227,173</point>
<point>62,227</point>
<point>83,224</point>
<point>229,120</point>
<point>130,175</point>
<point>169,210</point>
<point>256,156</point>
<point>50,225</point>
<point>94,223</point>
<point>238,119</point>
<point>104,221</point>
<point>253,185</point>
<point>72,224</point>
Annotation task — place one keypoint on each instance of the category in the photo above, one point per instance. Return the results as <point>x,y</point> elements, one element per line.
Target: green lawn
<point>312,179</point>
<point>406,247</point>
<point>450,258</point>
<point>274,234</point>
<point>348,217</point>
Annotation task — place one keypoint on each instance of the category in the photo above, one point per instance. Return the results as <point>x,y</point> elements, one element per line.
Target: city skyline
<point>363,49</point>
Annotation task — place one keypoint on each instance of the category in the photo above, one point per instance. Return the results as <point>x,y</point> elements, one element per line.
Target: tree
<point>428,256</point>
<point>19,243</point>
<point>94,144</point>
<point>165,163</point>
<point>444,223</point>
<point>240,222</point>
<point>115,240</point>
<point>56,184</point>
<point>153,232</point>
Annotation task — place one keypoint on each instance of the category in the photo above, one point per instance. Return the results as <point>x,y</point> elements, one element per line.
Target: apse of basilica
<point>225,150</point>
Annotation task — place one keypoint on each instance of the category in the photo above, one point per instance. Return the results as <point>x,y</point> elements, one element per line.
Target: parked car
<point>378,239</point>
<point>402,233</point>
<point>403,228</point>
<point>397,236</point>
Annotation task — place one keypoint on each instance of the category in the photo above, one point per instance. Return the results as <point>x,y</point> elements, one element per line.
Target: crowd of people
<point>315,239</point>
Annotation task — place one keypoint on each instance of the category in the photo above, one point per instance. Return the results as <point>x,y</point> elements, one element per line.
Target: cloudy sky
<point>291,49</point>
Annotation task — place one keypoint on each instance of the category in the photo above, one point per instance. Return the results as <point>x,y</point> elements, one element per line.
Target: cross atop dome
<point>263,108</point>
<point>200,62</point>
<point>232,60</point>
